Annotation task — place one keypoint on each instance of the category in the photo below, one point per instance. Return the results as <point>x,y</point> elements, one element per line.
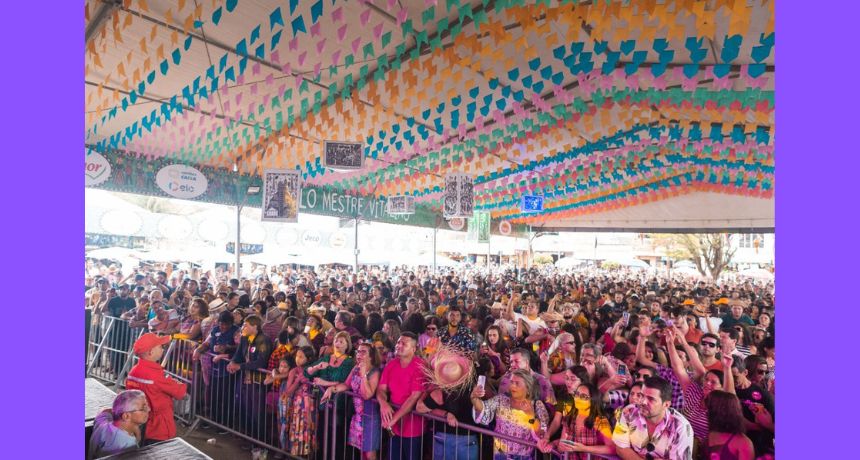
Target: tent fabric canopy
<point>618,116</point>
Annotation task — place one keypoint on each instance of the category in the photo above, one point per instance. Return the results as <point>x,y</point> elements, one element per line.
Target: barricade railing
<point>349,420</point>
<point>178,363</point>
<point>242,404</point>
<point>109,351</point>
<point>300,426</point>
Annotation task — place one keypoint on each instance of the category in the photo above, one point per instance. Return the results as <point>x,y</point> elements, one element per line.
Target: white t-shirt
<point>532,324</point>
<point>703,325</point>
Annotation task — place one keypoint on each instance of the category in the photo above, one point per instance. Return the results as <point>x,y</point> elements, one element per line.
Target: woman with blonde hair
<point>519,414</point>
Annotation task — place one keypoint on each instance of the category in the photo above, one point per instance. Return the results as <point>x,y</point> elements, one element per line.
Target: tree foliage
<point>710,252</point>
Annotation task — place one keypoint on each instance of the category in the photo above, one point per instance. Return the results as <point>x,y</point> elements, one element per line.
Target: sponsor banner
<point>181,181</point>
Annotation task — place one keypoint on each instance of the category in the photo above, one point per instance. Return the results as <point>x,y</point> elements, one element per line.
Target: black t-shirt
<point>458,403</point>
<point>117,306</point>
<point>762,439</point>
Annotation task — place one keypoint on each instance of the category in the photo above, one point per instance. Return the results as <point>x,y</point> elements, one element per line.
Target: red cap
<point>149,341</point>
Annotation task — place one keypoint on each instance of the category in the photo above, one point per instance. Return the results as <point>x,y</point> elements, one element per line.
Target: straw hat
<point>450,369</point>
<point>551,316</point>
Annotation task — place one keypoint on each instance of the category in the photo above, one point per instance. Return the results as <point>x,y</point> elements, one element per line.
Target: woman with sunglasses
<point>560,357</point>
<point>431,332</point>
<point>585,428</point>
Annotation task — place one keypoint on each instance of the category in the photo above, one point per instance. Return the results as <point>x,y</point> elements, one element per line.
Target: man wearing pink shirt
<point>402,383</point>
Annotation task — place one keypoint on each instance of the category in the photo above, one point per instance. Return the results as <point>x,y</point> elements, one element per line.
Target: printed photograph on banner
<point>483,219</point>
<point>281,193</point>
<point>467,197</point>
<point>450,201</point>
<point>343,155</point>
<point>531,203</point>
<point>401,204</point>
<point>472,229</point>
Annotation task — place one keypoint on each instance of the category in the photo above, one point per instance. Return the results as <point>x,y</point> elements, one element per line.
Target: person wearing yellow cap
<point>148,376</point>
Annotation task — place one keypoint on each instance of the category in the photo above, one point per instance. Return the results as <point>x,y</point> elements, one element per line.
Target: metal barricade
<point>243,405</point>
<point>178,363</point>
<point>352,427</point>
<point>109,351</point>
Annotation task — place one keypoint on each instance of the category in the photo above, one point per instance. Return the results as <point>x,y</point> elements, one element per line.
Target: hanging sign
<point>400,205</point>
<point>505,228</point>
<point>343,155</point>
<point>282,190</point>
<point>181,181</point>
<point>479,227</point>
<point>456,223</point>
<point>531,203</point>
<point>458,198</point>
<point>97,169</point>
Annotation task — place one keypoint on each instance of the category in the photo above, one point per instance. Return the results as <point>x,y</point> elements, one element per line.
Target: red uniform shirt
<point>148,377</point>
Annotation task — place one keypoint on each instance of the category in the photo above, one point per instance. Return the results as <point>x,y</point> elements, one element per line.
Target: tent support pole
<point>355,246</point>
<point>238,240</point>
<point>435,230</point>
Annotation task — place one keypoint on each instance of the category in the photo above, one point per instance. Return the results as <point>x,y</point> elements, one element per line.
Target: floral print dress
<point>365,426</point>
<point>514,423</point>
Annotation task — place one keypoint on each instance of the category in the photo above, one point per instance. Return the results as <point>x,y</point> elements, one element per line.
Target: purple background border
<point>43,117</point>
<point>816,122</point>
<point>43,99</point>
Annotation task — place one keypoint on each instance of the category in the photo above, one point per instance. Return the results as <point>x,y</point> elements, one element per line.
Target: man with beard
<point>652,429</point>
<point>457,334</point>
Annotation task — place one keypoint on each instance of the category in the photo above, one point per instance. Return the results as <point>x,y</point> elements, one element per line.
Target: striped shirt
<point>696,411</point>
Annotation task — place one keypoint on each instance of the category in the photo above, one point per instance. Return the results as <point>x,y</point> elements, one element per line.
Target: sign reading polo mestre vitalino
<point>134,175</point>
<point>332,203</point>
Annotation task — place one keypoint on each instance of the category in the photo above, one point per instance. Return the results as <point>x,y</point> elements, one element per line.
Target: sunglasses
<point>582,396</point>
<point>760,371</point>
<point>650,448</point>
<point>709,344</point>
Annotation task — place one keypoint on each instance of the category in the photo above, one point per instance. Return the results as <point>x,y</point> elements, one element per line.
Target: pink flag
<point>337,14</point>
<point>401,16</point>
<point>315,30</point>
<point>365,16</point>
<point>341,33</point>
<point>302,58</point>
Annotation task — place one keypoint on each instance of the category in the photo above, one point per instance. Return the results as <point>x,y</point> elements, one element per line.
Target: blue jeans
<point>501,456</point>
<point>404,448</point>
<point>455,447</point>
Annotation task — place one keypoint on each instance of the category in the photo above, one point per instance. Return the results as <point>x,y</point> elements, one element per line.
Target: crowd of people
<point>615,363</point>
